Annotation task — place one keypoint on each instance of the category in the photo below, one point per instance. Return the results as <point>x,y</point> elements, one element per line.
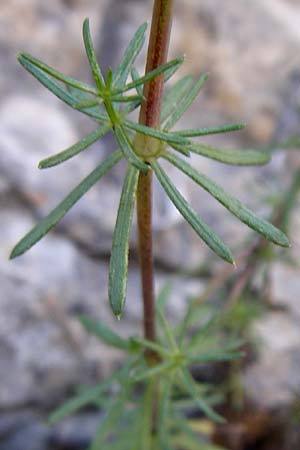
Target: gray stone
<point>273,380</point>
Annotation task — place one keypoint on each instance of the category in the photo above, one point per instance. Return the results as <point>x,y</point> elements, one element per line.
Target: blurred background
<point>251,50</point>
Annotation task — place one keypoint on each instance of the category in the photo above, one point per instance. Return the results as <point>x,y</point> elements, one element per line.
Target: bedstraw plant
<point>159,363</point>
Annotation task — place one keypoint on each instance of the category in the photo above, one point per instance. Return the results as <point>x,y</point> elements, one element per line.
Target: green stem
<point>150,116</point>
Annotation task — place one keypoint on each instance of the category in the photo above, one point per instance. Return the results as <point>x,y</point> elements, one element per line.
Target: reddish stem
<point>150,116</point>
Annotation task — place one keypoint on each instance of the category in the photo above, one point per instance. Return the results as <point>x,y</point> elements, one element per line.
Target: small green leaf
<point>90,52</point>
<point>84,143</point>
<point>226,156</point>
<point>203,230</point>
<point>91,395</point>
<point>126,99</point>
<point>71,96</point>
<point>168,137</point>
<point>187,100</point>
<point>88,104</point>
<point>153,371</point>
<point>118,266</point>
<point>130,54</point>
<point>165,395</point>
<point>168,332</point>
<point>173,69</point>
<point>144,433</point>
<point>47,81</point>
<point>59,76</point>
<point>128,150</point>
<point>174,95</point>
<point>291,143</point>
<point>105,334</point>
<point>237,208</point>
<point>191,388</point>
<point>150,75</point>
<point>214,130</point>
<point>214,356</point>
<point>45,225</point>
<point>151,346</point>
<point>87,397</point>
<point>163,297</point>
<point>113,413</point>
<point>135,76</point>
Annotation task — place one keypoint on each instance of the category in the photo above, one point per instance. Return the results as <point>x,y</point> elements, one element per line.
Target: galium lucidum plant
<point>108,103</point>
<point>156,419</point>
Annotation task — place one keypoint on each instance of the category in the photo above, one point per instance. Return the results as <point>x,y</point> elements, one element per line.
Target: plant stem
<point>150,116</point>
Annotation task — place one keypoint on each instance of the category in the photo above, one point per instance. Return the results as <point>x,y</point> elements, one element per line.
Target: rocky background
<point>251,49</point>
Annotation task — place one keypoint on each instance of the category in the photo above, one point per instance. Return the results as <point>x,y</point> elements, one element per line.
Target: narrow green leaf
<point>118,266</point>
<point>168,332</point>
<point>150,75</point>
<point>153,371</point>
<point>87,397</point>
<point>59,76</point>
<point>108,424</point>
<point>191,388</point>
<point>90,52</point>
<point>71,97</point>
<point>174,95</point>
<point>163,296</point>
<point>88,104</point>
<point>135,76</point>
<point>214,356</point>
<point>237,208</point>
<point>144,433</point>
<point>182,150</point>
<point>84,143</point>
<point>291,143</point>
<point>45,225</point>
<point>151,346</point>
<point>130,54</point>
<point>214,130</point>
<point>169,137</point>
<point>203,230</point>
<point>47,81</point>
<point>105,334</point>
<point>93,395</point>
<point>173,69</point>
<point>232,156</point>
<point>184,324</point>
<point>164,411</point>
<point>187,100</point>
<point>128,150</point>
<point>109,78</point>
<point>126,99</point>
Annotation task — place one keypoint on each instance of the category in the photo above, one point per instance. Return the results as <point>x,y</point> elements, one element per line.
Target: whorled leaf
<point>46,224</point>
<point>127,149</point>
<point>83,144</point>
<point>150,75</point>
<point>85,398</point>
<point>236,207</point>
<point>201,228</point>
<point>121,73</point>
<point>229,156</point>
<point>186,101</point>
<point>105,334</point>
<point>58,75</point>
<point>118,266</point>
<point>71,96</point>
<point>174,95</point>
<point>190,387</point>
<point>91,55</point>
<point>170,138</point>
<point>213,130</point>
